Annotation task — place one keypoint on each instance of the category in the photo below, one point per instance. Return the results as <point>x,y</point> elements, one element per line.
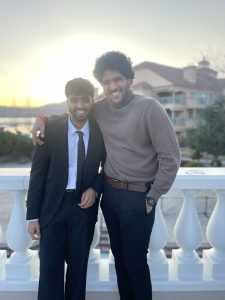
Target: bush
<point>193,163</point>
<point>15,147</point>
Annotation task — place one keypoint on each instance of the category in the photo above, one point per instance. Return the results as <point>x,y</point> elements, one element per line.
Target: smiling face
<point>115,86</point>
<point>79,107</point>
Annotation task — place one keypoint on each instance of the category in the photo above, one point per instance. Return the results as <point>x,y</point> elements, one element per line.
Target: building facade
<point>184,92</point>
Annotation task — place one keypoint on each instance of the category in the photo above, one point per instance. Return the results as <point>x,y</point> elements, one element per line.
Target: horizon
<point>47,44</point>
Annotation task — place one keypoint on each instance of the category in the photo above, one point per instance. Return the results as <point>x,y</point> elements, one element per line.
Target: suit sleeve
<point>97,185</point>
<point>37,184</point>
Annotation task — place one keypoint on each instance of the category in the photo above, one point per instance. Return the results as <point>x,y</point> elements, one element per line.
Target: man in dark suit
<point>62,202</point>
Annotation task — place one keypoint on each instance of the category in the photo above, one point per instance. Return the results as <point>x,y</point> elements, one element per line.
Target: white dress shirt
<point>73,139</point>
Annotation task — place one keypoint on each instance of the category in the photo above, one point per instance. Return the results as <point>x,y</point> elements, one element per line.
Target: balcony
<point>183,276</point>
<point>198,101</point>
<point>178,123</point>
<point>173,102</point>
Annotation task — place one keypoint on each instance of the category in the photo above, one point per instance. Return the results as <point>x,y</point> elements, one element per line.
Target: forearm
<point>165,176</point>
<point>166,147</point>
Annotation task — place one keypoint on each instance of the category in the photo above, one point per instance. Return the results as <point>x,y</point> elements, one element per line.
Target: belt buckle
<point>115,180</point>
<point>124,185</point>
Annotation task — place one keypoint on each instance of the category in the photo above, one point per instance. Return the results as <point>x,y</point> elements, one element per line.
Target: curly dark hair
<point>79,86</point>
<point>114,61</point>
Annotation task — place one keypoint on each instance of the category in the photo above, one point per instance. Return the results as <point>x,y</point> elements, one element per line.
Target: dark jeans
<point>129,228</point>
<point>66,238</point>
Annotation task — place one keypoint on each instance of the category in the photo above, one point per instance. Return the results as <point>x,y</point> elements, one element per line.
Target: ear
<point>130,81</point>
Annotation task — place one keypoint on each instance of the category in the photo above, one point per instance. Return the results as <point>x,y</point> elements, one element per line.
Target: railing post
<point>94,256</point>
<point>214,258</point>
<point>3,258</point>
<point>112,270</point>
<point>159,236</point>
<point>23,263</point>
<point>186,264</point>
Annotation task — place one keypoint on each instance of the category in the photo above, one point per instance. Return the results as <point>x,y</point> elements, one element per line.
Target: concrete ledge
<point>181,295</point>
<point>111,286</point>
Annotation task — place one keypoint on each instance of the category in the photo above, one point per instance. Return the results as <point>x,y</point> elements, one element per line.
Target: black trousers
<point>129,228</point>
<point>66,238</point>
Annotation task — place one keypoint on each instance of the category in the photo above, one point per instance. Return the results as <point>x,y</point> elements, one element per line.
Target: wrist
<point>150,201</point>
<point>96,193</point>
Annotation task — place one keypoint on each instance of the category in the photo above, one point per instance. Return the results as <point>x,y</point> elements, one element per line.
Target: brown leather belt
<point>130,186</point>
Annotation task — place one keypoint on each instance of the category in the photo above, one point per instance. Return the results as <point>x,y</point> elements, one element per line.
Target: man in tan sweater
<point>142,161</point>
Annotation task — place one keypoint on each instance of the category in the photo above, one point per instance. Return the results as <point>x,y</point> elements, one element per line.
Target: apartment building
<point>184,92</point>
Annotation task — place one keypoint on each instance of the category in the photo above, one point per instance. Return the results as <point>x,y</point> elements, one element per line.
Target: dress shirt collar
<point>72,129</point>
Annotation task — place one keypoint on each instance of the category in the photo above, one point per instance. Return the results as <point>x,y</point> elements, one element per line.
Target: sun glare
<point>43,76</point>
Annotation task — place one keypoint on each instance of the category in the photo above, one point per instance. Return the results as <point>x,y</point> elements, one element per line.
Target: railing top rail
<point>200,178</point>
<point>187,178</point>
<point>14,178</point>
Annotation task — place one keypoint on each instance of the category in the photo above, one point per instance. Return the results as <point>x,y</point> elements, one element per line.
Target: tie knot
<point>80,134</point>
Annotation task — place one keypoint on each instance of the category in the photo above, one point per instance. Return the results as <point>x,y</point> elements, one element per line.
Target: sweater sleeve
<point>165,144</point>
<point>55,118</point>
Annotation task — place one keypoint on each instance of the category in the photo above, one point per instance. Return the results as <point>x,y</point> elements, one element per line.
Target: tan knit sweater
<point>140,142</point>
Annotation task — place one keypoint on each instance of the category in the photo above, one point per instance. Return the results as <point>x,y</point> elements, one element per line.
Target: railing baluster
<point>186,264</point>
<point>94,256</point>
<point>159,236</point>
<point>23,262</point>
<point>214,259</point>
<point>3,257</point>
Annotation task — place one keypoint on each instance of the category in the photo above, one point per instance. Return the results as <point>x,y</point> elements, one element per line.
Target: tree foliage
<point>15,147</point>
<point>209,136</point>
<point>216,56</point>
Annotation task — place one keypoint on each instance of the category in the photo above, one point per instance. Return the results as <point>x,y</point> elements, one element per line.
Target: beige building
<point>184,93</point>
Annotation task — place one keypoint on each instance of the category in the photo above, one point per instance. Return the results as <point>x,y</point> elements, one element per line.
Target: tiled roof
<point>142,85</point>
<point>175,76</point>
<point>222,82</point>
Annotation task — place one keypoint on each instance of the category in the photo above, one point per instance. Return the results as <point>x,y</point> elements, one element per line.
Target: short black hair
<point>79,86</point>
<point>114,61</point>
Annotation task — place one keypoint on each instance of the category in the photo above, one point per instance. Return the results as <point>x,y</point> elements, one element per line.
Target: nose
<point>112,85</point>
<point>79,103</point>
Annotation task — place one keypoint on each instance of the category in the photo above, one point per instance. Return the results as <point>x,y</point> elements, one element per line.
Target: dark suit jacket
<point>49,171</point>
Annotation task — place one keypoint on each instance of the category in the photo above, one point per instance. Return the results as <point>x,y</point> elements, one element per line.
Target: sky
<point>46,43</point>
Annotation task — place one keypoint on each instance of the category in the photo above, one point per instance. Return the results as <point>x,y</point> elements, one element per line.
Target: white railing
<point>185,270</point>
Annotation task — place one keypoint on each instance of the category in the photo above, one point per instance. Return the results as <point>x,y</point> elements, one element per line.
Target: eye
<point>105,82</point>
<point>118,79</point>
<point>86,99</point>
<point>73,99</point>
